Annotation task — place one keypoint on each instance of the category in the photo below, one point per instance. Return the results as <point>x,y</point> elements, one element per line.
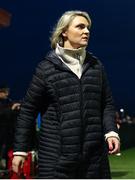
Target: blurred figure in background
<point>118,119</point>
<point>8,113</point>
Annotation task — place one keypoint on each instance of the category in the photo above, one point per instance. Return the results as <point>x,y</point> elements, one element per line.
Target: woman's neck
<point>68,45</point>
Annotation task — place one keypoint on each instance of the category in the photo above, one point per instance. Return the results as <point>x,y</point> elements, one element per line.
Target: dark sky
<point>26,41</point>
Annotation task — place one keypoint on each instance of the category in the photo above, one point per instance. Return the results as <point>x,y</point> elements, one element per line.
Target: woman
<point>70,90</point>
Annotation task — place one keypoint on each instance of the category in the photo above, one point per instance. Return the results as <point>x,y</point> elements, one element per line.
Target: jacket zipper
<point>81,118</point>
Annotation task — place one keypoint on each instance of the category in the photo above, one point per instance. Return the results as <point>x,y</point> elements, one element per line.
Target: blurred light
<point>121,110</point>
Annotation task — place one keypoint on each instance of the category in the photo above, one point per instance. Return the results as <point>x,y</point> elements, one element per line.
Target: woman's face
<point>77,34</point>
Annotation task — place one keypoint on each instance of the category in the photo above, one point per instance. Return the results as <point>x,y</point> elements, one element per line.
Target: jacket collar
<point>52,57</point>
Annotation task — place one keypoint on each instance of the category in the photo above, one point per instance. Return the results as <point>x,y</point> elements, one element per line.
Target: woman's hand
<point>16,106</point>
<point>17,162</point>
<point>113,145</point>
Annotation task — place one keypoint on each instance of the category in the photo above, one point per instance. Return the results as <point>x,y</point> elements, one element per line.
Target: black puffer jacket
<point>76,113</point>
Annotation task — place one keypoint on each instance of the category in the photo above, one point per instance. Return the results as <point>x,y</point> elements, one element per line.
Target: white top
<point>73,58</point>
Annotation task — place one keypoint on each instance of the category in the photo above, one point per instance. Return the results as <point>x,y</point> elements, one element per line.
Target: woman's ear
<point>64,34</point>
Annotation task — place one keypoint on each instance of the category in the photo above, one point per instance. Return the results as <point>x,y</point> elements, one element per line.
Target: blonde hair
<point>63,24</point>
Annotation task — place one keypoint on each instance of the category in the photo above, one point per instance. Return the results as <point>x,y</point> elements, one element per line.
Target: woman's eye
<point>81,26</point>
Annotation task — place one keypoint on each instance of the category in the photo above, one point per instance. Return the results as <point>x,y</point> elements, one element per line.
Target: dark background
<point>26,41</point>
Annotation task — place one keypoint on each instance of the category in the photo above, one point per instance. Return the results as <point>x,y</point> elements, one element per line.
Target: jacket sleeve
<point>109,123</point>
<point>30,107</point>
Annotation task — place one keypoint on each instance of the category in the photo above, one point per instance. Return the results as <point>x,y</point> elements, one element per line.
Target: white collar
<point>71,56</point>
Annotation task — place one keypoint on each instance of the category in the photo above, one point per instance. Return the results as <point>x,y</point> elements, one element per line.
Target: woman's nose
<point>86,30</point>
